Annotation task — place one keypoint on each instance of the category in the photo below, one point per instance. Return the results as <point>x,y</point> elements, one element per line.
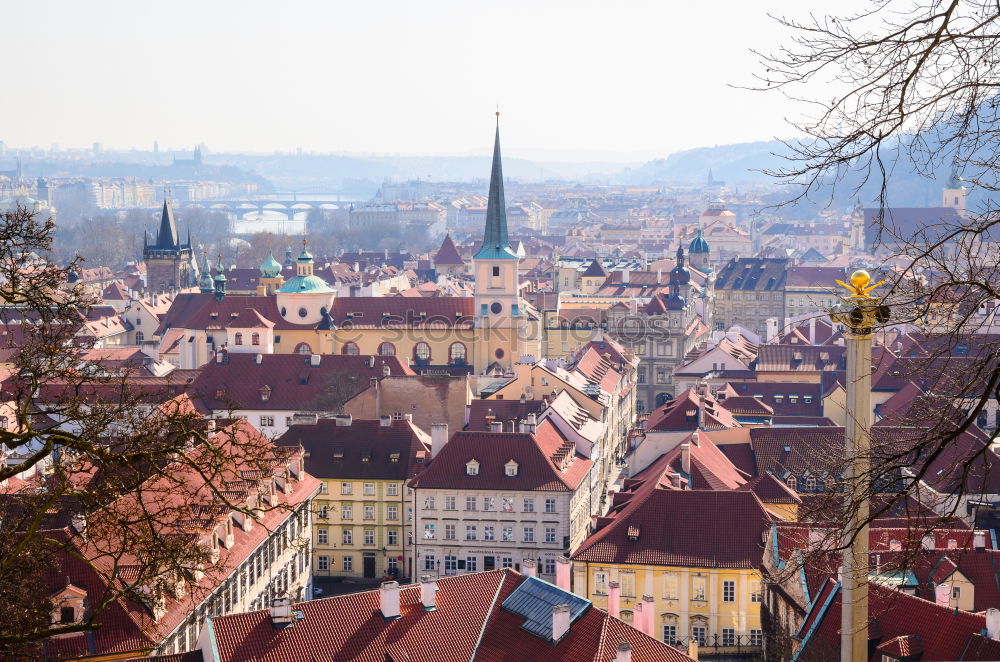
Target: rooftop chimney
<point>388,595</point>
<point>686,458</point>
<point>344,420</point>
<point>530,422</point>
<point>386,370</point>
<point>560,622</point>
<point>927,541</point>
<point>220,357</point>
<point>942,594</point>
<point>385,421</point>
<point>496,426</point>
<point>624,652</point>
<point>439,437</point>
<point>979,540</point>
<point>648,610</point>
<point>562,573</point>
<point>993,623</point>
<point>614,599</point>
<point>259,359</point>
<point>696,438</point>
<point>428,592</point>
<point>314,360</point>
<point>528,567</point>
<point>281,612</point>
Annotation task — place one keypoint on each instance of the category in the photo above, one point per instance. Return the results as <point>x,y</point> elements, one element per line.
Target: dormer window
<point>510,469</point>
<point>265,392</point>
<point>472,468</point>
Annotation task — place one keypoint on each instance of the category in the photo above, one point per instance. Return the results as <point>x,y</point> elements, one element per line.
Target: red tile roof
<point>673,531</point>
<point>681,413</point>
<point>295,384</point>
<point>540,458</point>
<point>365,449</point>
<point>501,410</point>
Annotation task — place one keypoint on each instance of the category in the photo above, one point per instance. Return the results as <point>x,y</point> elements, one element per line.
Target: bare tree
<point>908,86</point>
<point>124,482</point>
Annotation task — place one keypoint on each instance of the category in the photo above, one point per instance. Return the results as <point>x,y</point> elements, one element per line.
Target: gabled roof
<point>681,413</point>
<point>669,527</point>
<point>250,319</point>
<point>469,624</point>
<point>365,449</point>
<point>502,411</point>
<point>595,270</point>
<point>541,456</point>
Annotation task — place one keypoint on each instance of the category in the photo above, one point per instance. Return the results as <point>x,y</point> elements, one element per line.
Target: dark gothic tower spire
<point>496,243</point>
<point>167,237</point>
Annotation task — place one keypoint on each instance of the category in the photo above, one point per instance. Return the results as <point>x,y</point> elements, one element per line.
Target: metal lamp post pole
<point>859,313</point>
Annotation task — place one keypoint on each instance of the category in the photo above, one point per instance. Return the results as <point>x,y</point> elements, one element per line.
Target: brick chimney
<point>528,567</point>
<point>624,652</point>
<point>439,437</point>
<point>560,622</point>
<point>388,597</point>
<point>562,573</point>
<point>428,592</point>
<point>614,599</point>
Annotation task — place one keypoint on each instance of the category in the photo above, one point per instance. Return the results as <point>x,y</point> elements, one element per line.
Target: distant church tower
<point>953,195</point>
<point>499,311</point>
<point>168,261</point>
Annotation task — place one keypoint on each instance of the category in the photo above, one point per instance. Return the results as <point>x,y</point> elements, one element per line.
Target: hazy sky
<point>573,79</point>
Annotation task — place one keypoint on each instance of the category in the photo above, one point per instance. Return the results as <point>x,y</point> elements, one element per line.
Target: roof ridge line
<point>489,612</point>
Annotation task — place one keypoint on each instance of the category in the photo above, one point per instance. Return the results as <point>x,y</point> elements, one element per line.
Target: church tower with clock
<point>499,310</point>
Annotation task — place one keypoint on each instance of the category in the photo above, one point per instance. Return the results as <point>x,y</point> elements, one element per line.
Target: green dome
<point>698,245</point>
<point>300,284</point>
<point>270,267</point>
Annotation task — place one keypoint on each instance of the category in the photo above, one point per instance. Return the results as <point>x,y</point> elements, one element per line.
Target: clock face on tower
<point>496,307</point>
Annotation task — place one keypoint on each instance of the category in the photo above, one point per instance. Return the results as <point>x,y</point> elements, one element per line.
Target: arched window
<point>139,337</point>
<point>255,339</point>
<point>239,338</point>
<point>456,353</point>
<point>791,482</point>
<point>4,423</point>
<point>350,349</point>
<point>387,349</point>
<point>422,353</point>
<point>303,348</point>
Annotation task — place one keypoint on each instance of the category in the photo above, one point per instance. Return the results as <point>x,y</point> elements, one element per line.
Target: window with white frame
<point>323,563</point>
<point>756,637</point>
<point>627,581</point>
<point>346,488</point>
<point>489,504</point>
<point>322,536</point>
<point>449,531</point>
<point>470,563</point>
<point>669,633</point>
<point>754,591</point>
<point>392,513</point>
<point>392,537</point>
<point>391,489</point>
<point>429,502</point>
<point>600,582</point>
<point>550,534</point>
<point>449,503</point>
<point>267,421</point>
<point>728,637</point>
<point>508,534</point>
<point>729,591</point>
<point>529,534</point>
<point>472,468</point>
<point>430,531</point>
<point>429,562</point>
<point>510,469</point>
<point>348,563</point>
<point>347,511</point>
<point>470,531</point>
<point>549,567</point>
<point>670,584</point>
<point>450,564</point>
<point>369,489</point>
<point>324,512</point>
<point>550,505</point>
<point>369,536</point>
<point>470,503</point>
<point>699,633</point>
<point>488,532</point>
<point>529,505</point>
<point>348,536</point>
<point>698,588</point>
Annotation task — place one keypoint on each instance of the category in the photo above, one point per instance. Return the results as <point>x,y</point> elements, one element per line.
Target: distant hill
<point>734,164</point>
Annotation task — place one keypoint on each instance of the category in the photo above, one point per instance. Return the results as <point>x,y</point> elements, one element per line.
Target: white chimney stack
<point>385,421</point>
<point>927,542</point>
<point>942,594</point>
<point>686,458</point>
<point>281,611</point>
<point>428,592</point>
<point>993,623</point>
<point>648,610</point>
<point>344,420</point>
<point>496,426</point>
<point>388,595</point>
<point>560,622</point>
<point>979,540</point>
<point>528,567</point>
<point>614,599</point>
<point>562,573</point>
<point>812,330</point>
<point>639,617</point>
<point>439,437</point>
<point>314,360</point>
<point>624,652</point>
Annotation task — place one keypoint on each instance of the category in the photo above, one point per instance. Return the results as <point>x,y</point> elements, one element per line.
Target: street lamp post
<point>858,313</point>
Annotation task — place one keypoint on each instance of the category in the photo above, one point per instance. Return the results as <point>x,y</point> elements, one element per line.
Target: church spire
<point>496,243</point>
<point>167,237</point>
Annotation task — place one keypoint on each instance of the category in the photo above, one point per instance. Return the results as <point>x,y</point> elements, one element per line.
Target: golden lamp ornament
<point>859,287</point>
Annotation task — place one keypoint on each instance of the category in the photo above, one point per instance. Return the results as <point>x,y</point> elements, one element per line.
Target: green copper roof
<point>311,284</point>
<point>496,244</point>
<point>270,267</point>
